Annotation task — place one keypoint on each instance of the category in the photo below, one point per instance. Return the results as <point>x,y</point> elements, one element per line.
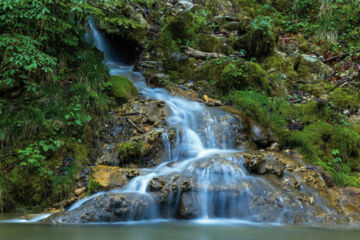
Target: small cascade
<point>202,154</point>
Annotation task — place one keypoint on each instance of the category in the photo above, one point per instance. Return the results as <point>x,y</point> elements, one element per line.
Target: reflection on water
<point>159,231</point>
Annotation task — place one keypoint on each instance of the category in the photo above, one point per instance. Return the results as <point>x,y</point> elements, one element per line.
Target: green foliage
<point>324,139</point>
<point>129,151</point>
<point>22,59</point>
<point>93,186</point>
<point>345,98</point>
<point>52,87</point>
<point>33,156</point>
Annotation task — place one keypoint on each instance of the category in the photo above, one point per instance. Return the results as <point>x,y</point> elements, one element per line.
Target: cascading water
<point>220,185</point>
<point>203,177</point>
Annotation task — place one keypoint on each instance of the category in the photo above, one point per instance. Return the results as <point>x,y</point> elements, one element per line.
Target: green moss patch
<point>122,89</point>
<point>345,98</point>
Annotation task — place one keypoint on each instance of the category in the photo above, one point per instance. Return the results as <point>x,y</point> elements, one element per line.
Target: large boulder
<point>110,207</point>
<point>112,177</point>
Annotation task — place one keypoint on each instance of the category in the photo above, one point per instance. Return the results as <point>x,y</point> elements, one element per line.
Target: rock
<point>136,128</point>
<point>329,180</point>
<point>146,150</point>
<point>311,69</point>
<point>123,89</point>
<point>253,162</point>
<point>157,79</point>
<point>79,191</point>
<point>190,205</point>
<point>108,208</point>
<point>211,102</point>
<point>272,166</point>
<point>112,177</point>
<point>260,136</point>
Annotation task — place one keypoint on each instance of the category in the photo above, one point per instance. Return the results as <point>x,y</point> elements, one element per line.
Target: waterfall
<point>203,177</point>
<point>221,186</point>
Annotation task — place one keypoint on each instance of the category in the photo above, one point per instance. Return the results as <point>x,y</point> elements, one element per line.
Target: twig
<point>340,56</point>
<point>132,123</point>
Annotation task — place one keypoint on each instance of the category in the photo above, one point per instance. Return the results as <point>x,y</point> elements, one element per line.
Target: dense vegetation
<point>309,104</point>
<point>54,88</point>
<point>51,85</point>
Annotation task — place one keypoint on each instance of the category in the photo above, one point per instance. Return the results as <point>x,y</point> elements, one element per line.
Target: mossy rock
<point>179,66</point>
<point>186,24</point>
<point>311,69</point>
<point>259,41</point>
<point>242,75</point>
<point>345,98</point>
<point>208,43</point>
<point>131,152</point>
<point>280,73</point>
<point>122,89</point>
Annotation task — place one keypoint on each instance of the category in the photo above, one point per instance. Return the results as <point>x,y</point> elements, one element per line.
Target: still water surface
<point>174,230</point>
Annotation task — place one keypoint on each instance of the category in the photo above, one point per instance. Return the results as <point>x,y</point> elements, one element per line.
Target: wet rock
<point>112,177</point>
<point>210,101</point>
<point>157,79</point>
<point>144,150</point>
<point>107,208</point>
<point>272,166</point>
<point>167,186</point>
<point>329,180</point>
<point>253,162</point>
<point>190,205</point>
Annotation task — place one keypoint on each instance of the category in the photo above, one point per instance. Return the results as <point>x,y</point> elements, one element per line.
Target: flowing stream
<point>201,134</point>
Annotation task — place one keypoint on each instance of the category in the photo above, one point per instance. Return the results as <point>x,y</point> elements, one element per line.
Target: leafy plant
<point>33,156</point>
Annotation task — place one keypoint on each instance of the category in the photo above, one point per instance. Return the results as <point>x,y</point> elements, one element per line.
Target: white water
<point>196,141</point>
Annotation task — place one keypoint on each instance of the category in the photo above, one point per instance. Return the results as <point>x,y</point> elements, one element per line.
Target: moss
<point>188,23</point>
<point>239,75</point>
<point>259,41</point>
<point>345,98</point>
<point>93,186</point>
<point>130,151</point>
<point>280,74</point>
<point>317,89</point>
<point>163,45</point>
<point>277,62</point>
<point>207,43</point>
<point>311,69</point>
<point>122,89</point>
